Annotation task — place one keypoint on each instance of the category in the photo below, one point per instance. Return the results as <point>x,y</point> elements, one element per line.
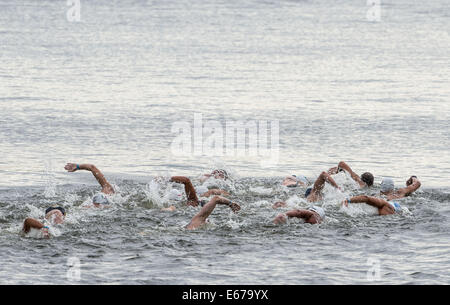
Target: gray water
<point>108,90</point>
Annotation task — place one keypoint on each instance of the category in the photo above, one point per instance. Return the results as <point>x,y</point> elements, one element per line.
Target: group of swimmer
<point>314,214</point>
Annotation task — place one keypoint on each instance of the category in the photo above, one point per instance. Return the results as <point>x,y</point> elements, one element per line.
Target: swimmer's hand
<point>71,167</point>
<point>192,203</point>
<point>333,170</point>
<point>280,219</point>
<point>234,207</point>
<point>346,202</point>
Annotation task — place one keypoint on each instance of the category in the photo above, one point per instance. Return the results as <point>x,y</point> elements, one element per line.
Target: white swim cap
<point>387,185</point>
<point>100,198</point>
<point>318,210</point>
<point>200,190</point>
<point>175,195</point>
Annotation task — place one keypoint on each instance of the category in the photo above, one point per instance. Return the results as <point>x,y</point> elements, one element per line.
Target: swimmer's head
<point>175,195</point>
<point>367,178</point>
<point>100,199</point>
<point>318,210</point>
<point>55,214</point>
<point>308,191</point>
<point>61,209</point>
<point>387,185</point>
<point>220,174</point>
<point>410,180</point>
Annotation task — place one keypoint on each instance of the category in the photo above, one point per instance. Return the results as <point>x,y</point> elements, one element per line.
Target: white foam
<point>261,190</point>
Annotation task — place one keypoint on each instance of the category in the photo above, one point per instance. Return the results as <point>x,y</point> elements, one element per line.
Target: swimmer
<point>201,218</point>
<point>312,215</point>
<point>387,188</point>
<point>193,193</point>
<point>216,174</point>
<point>54,215</point>
<point>99,200</point>
<point>384,207</point>
<point>295,180</point>
<point>366,179</point>
<point>314,193</point>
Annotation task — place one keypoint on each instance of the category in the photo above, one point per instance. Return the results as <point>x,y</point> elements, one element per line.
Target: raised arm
<point>188,188</point>
<point>31,223</point>
<point>106,187</point>
<point>355,176</point>
<point>333,170</point>
<point>324,177</point>
<point>413,184</point>
<point>208,208</point>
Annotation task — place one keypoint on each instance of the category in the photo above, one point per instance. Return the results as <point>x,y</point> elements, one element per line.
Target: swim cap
<point>387,185</point>
<point>318,210</point>
<point>367,178</point>
<point>301,178</point>
<point>200,190</point>
<point>308,191</point>
<point>61,209</point>
<point>100,198</point>
<point>396,206</point>
<point>175,195</point>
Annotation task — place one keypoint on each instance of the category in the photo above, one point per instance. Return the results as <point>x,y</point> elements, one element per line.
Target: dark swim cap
<point>308,191</point>
<point>61,209</point>
<point>367,178</point>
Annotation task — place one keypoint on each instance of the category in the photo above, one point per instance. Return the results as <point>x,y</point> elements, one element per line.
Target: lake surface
<point>112,88</point>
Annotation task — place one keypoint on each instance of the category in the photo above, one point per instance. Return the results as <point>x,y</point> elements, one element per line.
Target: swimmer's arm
<point>411,188</point>
<point>209,207</point>
<point>216,192</point>
<point>299,214</point>
<point>373,201</point>
<point>106,187</point>
<point>188,187</point>
<point>333,170</point>
<point>354,175</point>
<point>331,181</point>
<point>294,213</point>
<point>31,223</point>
